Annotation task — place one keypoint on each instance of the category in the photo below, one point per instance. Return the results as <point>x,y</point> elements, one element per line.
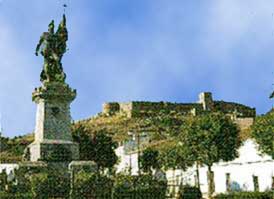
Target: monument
<point>53,139</point>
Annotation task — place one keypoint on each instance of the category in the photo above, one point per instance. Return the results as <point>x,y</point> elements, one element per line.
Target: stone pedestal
<point>53,140</point>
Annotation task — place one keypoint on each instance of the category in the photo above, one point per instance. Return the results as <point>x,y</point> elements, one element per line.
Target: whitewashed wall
<point>126,160</point>
<point>241,170</point>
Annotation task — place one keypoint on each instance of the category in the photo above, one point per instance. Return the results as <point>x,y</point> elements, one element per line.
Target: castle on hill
<point>241,114</point>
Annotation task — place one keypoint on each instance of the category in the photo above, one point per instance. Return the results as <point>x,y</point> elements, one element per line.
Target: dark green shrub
<point>3,180</point>
<point>189,192</point>
<point>51,184</point>
<point>22,184</point>
<point>5,195</point>
<point>59,153</point>
<point>91,185</point>
<point>138,187</point>
<point>246,195</point>
<point>123,186</point>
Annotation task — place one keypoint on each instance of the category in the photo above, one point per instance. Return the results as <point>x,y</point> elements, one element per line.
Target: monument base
<point>53,151</point>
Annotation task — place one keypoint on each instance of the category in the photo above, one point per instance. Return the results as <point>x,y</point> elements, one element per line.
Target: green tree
<point>149,160</point>
<point>98,147</point>
<point>104,151</point>
<point>50,184</point>
<point>91,185</point>
<point>3,143</point>
<point>177,157</point>
<point>263,132</point>
<point>210,137</point>
<point>80,134</point>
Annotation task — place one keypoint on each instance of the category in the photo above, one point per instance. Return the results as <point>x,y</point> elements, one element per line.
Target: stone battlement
<point>205,103</point>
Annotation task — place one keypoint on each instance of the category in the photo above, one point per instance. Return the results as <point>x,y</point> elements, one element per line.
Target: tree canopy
<point>211,137</point>
<point>98,147</point>
<point>149,160</point>
<point>263,132</point>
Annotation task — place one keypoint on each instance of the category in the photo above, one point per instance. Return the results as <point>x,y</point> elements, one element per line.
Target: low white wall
<point>8,167</point>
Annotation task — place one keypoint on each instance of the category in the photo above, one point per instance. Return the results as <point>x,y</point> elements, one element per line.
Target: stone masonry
<point>53,123</point>
<point>205,103</point>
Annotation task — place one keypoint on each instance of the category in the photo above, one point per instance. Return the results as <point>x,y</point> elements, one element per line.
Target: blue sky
<point>153,50</point>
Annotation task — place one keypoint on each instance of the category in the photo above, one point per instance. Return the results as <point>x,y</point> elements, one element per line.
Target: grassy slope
<point>117,126</point>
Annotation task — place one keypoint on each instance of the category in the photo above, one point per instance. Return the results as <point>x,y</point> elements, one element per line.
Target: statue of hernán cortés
<point>52,46</point>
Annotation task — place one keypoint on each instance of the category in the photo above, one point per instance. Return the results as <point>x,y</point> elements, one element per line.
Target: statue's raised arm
<point>39,45</point>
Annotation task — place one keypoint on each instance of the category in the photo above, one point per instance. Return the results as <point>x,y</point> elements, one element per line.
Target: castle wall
<point>231,108</point>
<point>111,108</point>
<point>205,103</point>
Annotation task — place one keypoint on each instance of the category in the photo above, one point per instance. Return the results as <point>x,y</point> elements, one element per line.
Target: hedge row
<point>91,185</point>
<point>4,195</point>
<point>86,185</point>
<point>138,187</point>
<point>246,195</point>
<point>189,192</point>
<point>44,185</point>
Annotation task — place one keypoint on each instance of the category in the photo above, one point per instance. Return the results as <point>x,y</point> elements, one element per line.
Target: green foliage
<point>104,149</point>
<point>59,153</point>
<point>81,135</point>
<point>3,180</point>
<point>91,185</point>
<point>98,147</point>
<point>245,195</point>
<point>39,184</point>
<point>231,107</point>
<point>149,160</point>
<point>210,138</point>
<point>22,184</point>
<point>118,125</point>
<point>3,143</point>
<point>12,149</point>
<point>50,184</point>
<point>123,184</point>
<point>263,132</point>
<point>189,192</point>
<point>5,195</point>
<point>176,157</point>
<point>144,186</point>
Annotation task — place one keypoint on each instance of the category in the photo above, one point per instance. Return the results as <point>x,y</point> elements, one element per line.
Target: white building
<point>241,170</point>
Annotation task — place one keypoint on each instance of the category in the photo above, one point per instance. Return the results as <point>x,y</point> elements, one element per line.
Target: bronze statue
<point>52,47</point>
